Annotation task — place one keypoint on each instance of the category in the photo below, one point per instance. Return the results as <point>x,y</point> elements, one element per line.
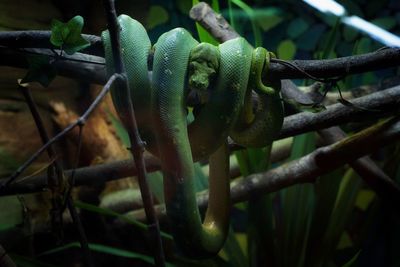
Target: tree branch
<point>202,13</point>
<point>221,30</point>
<point>137,145</point>
<point>386,100</point>
<point>306,169</point>
<point>379,182</point>
<point>41,39</point>
<point>372,106</point>
<point>7,182</point>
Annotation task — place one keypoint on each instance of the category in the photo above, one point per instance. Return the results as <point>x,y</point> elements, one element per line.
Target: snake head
<point>203,66</point>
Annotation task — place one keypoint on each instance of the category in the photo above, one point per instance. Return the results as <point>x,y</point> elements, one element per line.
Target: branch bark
<point>307,168</point>
<point>328,68</point>
<point>386,101</point>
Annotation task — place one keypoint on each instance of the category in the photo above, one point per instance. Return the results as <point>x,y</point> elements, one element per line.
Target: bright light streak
<point>327,6</point>
<point>372,30</point>
<point>375,32</point>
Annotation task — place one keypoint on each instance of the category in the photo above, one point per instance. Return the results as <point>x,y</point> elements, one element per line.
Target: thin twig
<point>80,121</point>
<point>56,178</point>
<point>137,145</point>
<point>306,169</point>
<point>322,69</point>
<point>386,100</point>
<point>379,182</point>
<point>327,68</point>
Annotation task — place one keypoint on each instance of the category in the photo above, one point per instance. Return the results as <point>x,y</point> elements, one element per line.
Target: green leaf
<point>107,250</point>
<point>204,36</point>
<point>108,212</point>
<point>353,261</point>
<point>286,49</point>
<point>309,39</point>
<point>297,27</point>
<point>68,36</point>
<point>40,70</point>
<point>297,211</point>
<point>59,33</point>
<point>250,12</point>
<point>268,18</point>
<point>330,43</point>
<point>11,212</point>
<point>157,16</point>
<point>349,33</point>
<point>184,6</point>
<point>119,129</point>
<point>8,162</point>
<point>364,199</point>
<point>363,46</point>
<point>344,204</point>
<point>233,251</point>
<point>386,23</point>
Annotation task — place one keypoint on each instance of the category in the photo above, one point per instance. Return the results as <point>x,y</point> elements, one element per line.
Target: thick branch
<point>365,167</point>
<point>41,39</point>
<point>220,29</point>
<point>369,107</point>
<point>76,66</point>
<point>7,182</point>
<point>379,182</point>
<point>308,168</point>
<point>386,100</point>
<point>384,58</point>
<point>137,145</point>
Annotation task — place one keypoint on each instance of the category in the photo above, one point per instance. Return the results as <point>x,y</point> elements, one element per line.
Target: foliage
<point>65,36</point>
<point>304,225</point>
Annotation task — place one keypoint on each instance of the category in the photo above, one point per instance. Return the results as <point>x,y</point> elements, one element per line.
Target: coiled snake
<point>224,79</point>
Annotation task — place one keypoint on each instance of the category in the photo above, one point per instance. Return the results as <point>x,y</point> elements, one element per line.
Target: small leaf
<point>40,70</point>
<point>58,33</point>
<point>297,27</point>
<point>286,49</point>
<point>157,16</point>
<point>107,250</point>
<point>349,33</point>
<point>309,39</point>
<point>68,35</point>
<point>353,261</point>
<point>386,23</point>
<point>268,18</point>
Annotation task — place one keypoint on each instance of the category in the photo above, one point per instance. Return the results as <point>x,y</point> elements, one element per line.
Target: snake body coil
<point>222,72</point>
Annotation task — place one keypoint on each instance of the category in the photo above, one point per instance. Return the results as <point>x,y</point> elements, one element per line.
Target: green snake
<point>226,81</point>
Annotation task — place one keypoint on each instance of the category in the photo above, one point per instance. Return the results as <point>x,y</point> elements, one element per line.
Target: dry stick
<point>4,185</point>
<point>56,178</point>
<point>385,187</point>
<point>221,31</point>
<point>306,169</point>
<point>41,39</point>
<point>137,145</point>
<point>379,182</point>
<point>384,58</point>
<point>94,73</point>
<point>386,101</point>
<point>308,165</point>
